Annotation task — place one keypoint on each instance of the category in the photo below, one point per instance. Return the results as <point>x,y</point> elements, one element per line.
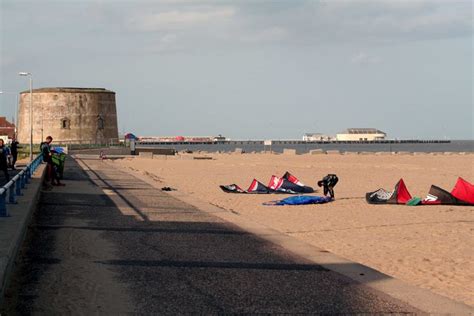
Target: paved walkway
<point>108,242</point>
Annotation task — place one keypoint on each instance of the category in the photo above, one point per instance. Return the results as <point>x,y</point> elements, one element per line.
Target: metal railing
<point>10,191</point>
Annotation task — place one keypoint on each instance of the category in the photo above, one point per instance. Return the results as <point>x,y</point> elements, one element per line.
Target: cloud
<point>365,59</point>
<point>217,25</point>
<point>168,38</point>
<point>385,20</point>
<point>6,60</point>
<point>179,19</point>
<point>267,35</point>
<point>165,44</point>
<point>186,25</point>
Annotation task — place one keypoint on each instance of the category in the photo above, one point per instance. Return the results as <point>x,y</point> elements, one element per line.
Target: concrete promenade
<point>13,228</point>
<point>108,242</point>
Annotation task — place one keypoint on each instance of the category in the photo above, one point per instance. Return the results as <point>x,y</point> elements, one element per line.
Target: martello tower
<point>69,115</point>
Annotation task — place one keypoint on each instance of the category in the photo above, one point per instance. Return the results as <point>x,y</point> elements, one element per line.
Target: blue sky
<point>253,69</point>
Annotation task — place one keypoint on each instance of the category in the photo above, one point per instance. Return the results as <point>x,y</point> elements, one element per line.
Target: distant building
<point>316,137</point>
<point>6,128</point>
<point>220,139</point>
<point>361,134</point>
<point>176,139</point>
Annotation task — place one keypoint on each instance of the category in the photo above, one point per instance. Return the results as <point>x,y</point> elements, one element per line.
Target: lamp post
<point>31,110</point>
<point>16,110</point>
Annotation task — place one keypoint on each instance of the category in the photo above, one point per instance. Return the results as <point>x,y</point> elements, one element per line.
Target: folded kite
<point>399,195</point>
<point>462,194</point>
<point>287,184</point>
<point>301,200</point>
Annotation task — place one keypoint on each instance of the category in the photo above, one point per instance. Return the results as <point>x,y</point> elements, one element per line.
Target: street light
<point>16,110</point>
<point>31,110</point>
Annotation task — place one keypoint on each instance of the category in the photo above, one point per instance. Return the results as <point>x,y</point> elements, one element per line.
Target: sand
<point>427,246</point>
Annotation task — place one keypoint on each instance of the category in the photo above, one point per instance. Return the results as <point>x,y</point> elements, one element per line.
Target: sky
<point>253,69</point>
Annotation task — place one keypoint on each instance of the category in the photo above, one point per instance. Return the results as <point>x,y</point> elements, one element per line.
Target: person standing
<point>3,159</point>
<point>52,174</point>
<point>9,155</point>
<point>14,151</point>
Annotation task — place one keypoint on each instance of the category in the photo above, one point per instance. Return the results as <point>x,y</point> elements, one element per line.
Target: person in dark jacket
<point>3,160</point>
<point>14,151</point>
<point>52,173</point>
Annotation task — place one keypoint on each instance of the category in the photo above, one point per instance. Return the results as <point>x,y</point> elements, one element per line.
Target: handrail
<point>13,187</point>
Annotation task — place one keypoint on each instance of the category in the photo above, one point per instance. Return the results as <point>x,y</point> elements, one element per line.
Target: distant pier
<point>301,147</point>
<point>294,142</point>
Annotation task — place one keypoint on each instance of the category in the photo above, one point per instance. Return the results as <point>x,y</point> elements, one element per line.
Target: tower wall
<point>69,115</point>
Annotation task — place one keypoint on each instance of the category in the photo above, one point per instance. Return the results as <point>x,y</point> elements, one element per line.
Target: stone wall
<point>69,115</point>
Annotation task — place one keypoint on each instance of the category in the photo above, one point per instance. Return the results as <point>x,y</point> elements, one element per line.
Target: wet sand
<point>427,246</point>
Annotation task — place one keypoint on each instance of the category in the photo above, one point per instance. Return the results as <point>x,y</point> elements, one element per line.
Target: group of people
<point>8,156</point>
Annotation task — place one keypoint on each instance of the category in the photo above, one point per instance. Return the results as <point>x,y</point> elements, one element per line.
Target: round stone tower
<point>69,115</point>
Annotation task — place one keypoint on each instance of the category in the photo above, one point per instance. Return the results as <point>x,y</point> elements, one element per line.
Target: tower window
<point>65,123</point>
<point>100,122</point>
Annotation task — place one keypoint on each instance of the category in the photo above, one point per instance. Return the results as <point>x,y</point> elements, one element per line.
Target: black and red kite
<point>462,194</point>
<point>286,184</point>
<point>399,195</point>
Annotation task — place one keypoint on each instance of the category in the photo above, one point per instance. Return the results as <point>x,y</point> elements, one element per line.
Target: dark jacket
<point>14,147</point>
<point>3,158</point>
<point>46,151</point>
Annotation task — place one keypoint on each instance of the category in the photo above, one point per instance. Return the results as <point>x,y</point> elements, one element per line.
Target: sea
<point>454,146</point>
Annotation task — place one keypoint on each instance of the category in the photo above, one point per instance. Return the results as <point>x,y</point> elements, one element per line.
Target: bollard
<point>3,207</point>
<point>27,175</point>
<point>11,195</point>
<point>37,163</point>
<point>23,180</point>
<point>18,186</point>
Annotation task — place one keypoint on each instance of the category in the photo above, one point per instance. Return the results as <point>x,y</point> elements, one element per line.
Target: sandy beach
<point>428,246</point>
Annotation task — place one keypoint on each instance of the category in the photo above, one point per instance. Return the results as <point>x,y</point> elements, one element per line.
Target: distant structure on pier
<point>69,115</point>
<point>182,139</point>
<point>361,134</point>
<point>316,137</point>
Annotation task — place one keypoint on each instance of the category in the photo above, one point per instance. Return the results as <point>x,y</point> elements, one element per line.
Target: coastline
<point>301,147</point>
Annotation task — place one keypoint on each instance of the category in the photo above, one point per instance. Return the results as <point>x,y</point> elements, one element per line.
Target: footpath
<point>13,228</point>
<point>109,242</point>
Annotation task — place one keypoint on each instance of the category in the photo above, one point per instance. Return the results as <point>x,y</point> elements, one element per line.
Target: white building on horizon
<point>361,134</point>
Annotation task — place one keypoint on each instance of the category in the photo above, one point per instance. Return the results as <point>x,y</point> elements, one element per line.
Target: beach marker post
<point>267,143</point>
